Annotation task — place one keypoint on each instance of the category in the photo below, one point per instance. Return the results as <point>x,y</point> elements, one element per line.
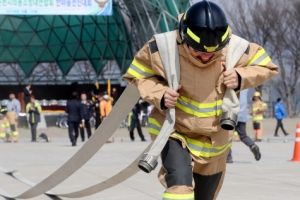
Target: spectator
<point>105,108</point>
<point>97,113</point>
<point>86,112</point>
<point>13,111</point>
<point>279,114</point>
<point>115,95</point>
<point>73,110</point>
<point>34,109</point>
<point>135,122</point>
<point>27,92</point>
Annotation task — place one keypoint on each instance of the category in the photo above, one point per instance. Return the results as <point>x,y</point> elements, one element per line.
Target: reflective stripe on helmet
<point>138,70</point>
<point>225,34</point>
<point>193,35</point>
<point>210,49</point>
<point>261,58</point>
<point>199,109</point>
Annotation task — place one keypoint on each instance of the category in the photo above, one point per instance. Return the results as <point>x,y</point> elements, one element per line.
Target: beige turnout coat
<point>199,105</point>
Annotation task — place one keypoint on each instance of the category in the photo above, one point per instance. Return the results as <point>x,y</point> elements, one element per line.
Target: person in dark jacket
<point>73,110</point>
<point>27,92</point>
<point>34,109</point>
<point>279,114</point>
<point>135,122</point>
<point>86,112</point>
<point>97,112</point>
<point>115,95</point>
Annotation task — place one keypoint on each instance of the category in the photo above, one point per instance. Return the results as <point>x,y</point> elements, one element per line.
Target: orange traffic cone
<point>296,157</point>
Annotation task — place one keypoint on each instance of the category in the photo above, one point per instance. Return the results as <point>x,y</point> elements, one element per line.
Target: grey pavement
<point>274,177</point>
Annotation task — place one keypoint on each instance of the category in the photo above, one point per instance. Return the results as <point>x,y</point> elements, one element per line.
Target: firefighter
<point>194,158</point>
<point>13,111</point>
<point>4,124</point>
<point>257,111</point>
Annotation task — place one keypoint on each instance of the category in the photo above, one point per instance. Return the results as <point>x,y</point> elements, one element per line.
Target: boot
<point>256,152</point>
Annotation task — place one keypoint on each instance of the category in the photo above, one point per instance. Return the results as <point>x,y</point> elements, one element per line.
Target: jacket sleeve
<point>38,108</point>
<point>18,107</point>
<point>27,108</point>
<point>81,112</point>
<point>146,73</point>
<point>102,108</point>
<point>263,107</point>
<point>281,109</point>
<point>67,107</point>
<point>255,67</point>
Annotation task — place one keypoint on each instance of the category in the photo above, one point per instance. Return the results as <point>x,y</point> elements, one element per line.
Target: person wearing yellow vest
<point>4,124</point>
<point>257,111</point>
<point>194,157</point>
<point>34,109</point>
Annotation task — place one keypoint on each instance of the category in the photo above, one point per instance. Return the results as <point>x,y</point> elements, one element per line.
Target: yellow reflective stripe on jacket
<point>264,104</point>
<point>255,109</point>
<point>261,58</point>
<point>153,126</point>
<point>138,70</point>
<point>199,109</point>
<point>168,196</point>
<point>203,149</point>
<point>3,125</point>
<point>2,135</point>
<point>258,118</point>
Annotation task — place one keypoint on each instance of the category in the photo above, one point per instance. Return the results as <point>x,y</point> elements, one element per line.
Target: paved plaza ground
<point>274,177</point>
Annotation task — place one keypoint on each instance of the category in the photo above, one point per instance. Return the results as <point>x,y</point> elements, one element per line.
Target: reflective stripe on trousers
<point>15,133</point>
<point>197,148</point>
<point>168,196</point>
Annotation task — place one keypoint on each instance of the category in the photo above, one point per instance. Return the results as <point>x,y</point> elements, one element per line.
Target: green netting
<point>29,40</point>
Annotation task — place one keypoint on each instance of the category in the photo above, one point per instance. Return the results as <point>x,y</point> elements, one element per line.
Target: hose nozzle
<point>228,120</point>
<point>148,163</point>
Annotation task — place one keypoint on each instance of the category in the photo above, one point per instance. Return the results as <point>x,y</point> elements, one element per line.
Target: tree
<point>273,24</point>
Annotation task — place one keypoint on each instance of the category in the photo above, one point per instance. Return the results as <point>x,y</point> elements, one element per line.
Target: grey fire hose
<point>231,105</point>
<point>167,48</point>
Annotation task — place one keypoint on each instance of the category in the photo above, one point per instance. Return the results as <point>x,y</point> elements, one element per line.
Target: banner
<point>56,7</point>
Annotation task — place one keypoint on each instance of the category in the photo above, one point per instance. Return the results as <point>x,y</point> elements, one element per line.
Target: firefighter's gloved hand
<point>170,97</point>
<point>231,79</point>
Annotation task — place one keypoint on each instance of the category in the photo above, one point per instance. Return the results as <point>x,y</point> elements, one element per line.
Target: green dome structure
<point>26,42</point>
